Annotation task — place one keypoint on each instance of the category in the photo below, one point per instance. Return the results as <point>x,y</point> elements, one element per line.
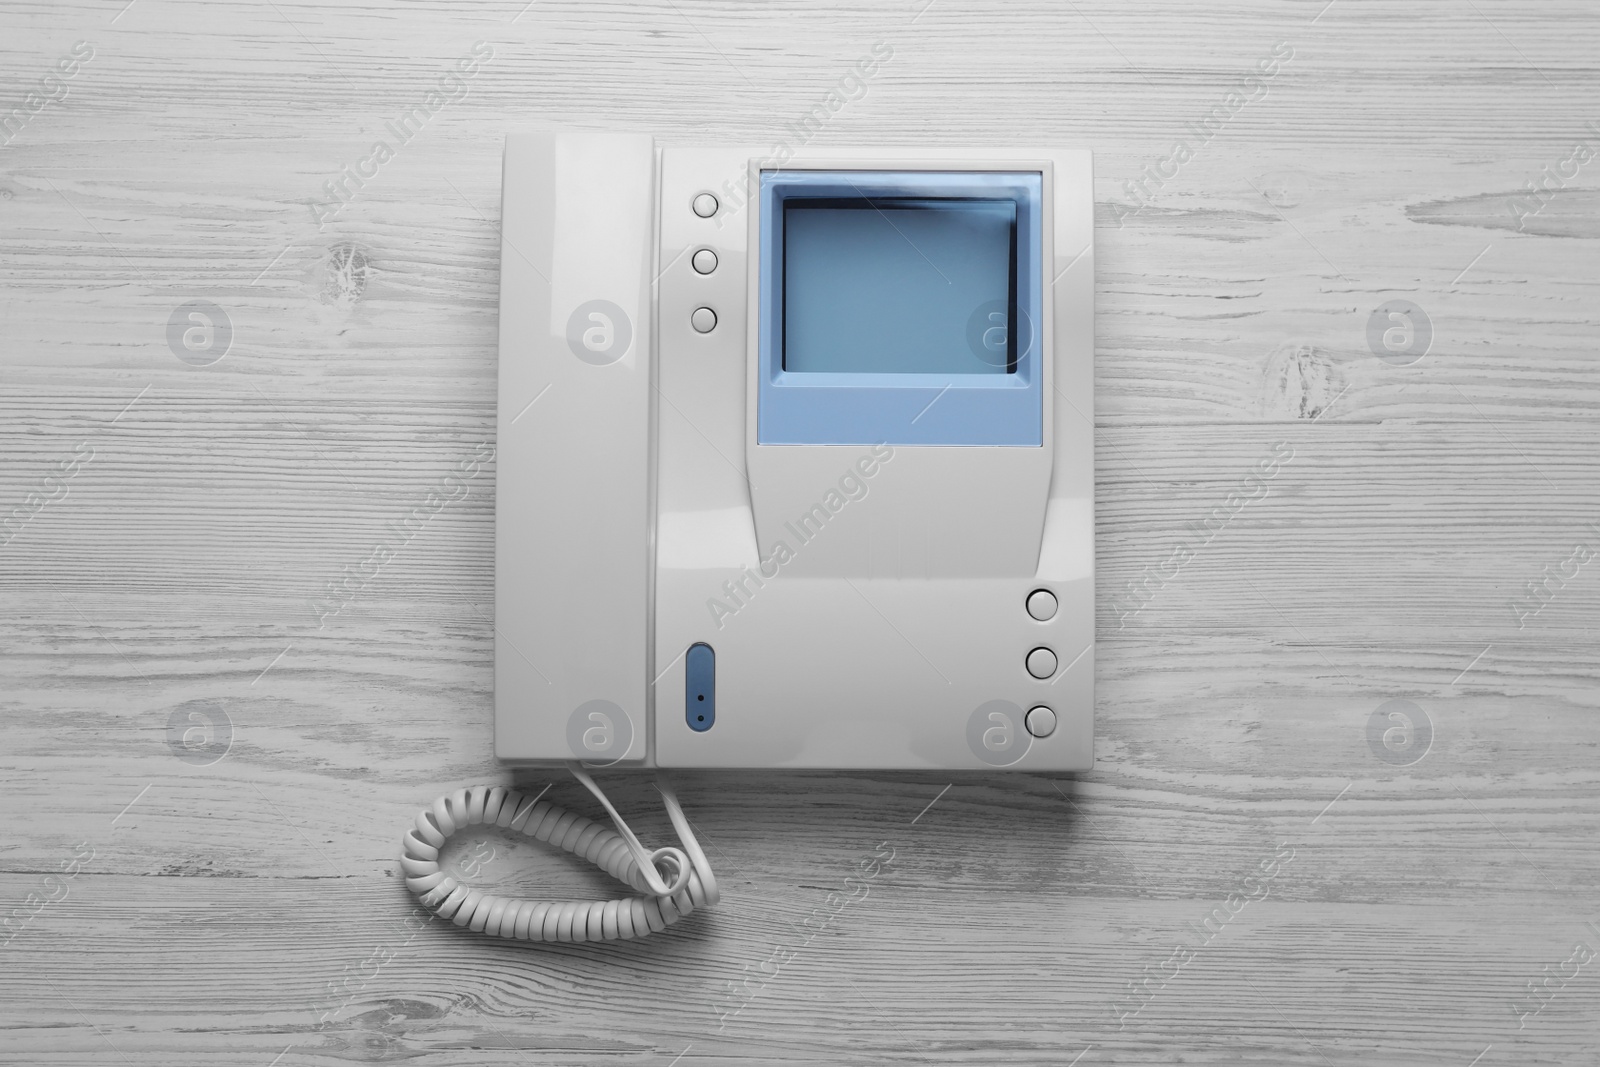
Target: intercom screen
<point>899,285</point>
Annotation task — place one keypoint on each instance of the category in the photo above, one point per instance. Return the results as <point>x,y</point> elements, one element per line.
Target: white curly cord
<point>660,903</point>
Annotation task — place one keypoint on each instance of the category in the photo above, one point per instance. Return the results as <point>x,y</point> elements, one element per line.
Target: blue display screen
<point>899,285</point>
<point>901,307</point>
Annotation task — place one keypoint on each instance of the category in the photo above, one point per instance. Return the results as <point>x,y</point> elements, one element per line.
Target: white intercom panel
<point>796,456</point>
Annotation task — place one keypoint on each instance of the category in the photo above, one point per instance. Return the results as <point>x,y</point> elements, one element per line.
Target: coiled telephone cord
<point>659,902</point>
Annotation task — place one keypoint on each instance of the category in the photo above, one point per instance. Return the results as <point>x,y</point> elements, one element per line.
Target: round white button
<point>1042,604</point>
<point>705,205</point>
<point>1040,721</point>
<point>1041,663</point>
<point>704,320</point>
<point>705,261</point>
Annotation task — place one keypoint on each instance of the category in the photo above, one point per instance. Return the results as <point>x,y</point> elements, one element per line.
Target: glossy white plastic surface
<point>889,633</point>
<point>573,509</point>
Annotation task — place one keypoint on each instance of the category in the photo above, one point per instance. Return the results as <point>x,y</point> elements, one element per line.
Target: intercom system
<point>795,460</point>
<point>795,469</point>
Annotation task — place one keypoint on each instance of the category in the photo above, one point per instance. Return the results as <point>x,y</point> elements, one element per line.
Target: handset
<point>575,383</point>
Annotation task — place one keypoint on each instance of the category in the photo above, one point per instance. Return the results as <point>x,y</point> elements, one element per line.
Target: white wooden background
<point>249,911</point>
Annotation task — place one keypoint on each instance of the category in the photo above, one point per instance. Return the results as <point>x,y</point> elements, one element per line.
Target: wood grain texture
<point>251,909</point>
